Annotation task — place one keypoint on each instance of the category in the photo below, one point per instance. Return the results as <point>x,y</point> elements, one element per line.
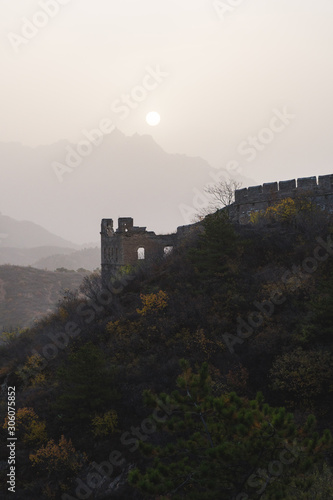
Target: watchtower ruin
<point>129,244</point>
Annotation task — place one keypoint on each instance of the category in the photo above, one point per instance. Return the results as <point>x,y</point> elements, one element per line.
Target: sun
<point>153,118</point>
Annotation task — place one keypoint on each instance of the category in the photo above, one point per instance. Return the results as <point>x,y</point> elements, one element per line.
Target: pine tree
<point>217,247</point>
<point>226,447</point>
<point>324,308</point>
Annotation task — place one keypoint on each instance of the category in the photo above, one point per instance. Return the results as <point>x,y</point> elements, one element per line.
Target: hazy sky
<point>225,72</point>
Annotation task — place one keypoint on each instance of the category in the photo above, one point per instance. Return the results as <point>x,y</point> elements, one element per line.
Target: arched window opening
<point>141,253</point>
<point>167,251</point>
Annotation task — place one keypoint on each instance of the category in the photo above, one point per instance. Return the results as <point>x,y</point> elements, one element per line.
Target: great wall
<point>128,243</point>
<point>256,198</point>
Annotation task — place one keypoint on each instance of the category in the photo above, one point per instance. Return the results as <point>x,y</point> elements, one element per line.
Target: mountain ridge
<point>130,175</point>
<point>28,234</point>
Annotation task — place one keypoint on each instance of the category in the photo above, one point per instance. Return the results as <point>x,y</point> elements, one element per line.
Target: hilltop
<point>191,377</point>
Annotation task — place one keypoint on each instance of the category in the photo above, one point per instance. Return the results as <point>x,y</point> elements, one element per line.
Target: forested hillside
<point>207,375</point>
<point>27,294</point>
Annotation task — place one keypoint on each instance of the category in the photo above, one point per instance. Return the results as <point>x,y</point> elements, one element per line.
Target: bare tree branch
<point>220,195</point>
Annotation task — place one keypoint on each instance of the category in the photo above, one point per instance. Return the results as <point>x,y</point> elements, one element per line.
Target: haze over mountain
<point>225,65</point>
<point>24,243</point>
<point>123,176</point>
<point>217,74</point>
<point>26,234</point>
<point>87,258</point>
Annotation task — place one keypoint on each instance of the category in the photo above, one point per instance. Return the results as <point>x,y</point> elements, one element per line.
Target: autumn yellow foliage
<point>30,371</point>
<point>28,425</point>
<point>57,458</point>
<point>105,424</point>
<point>153,302</point>
<point>284,210</point>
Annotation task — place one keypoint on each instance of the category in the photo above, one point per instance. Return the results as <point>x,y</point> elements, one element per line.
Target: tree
<point>30,429</point>
<point>216,246</point>
<point>226,447</point>
<point>220,195</point>
<point>91,286</point>
<point>300,212</point>
<point>58,459</point>
<point>153,303</point>
<point>321,324</point>
<point>87,386</point>
<point>302,376</point>
<point>223,194</point>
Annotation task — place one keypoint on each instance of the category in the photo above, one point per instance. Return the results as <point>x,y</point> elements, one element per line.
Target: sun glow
<point>153,118</point>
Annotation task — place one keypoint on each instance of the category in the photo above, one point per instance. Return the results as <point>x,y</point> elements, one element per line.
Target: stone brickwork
<point>129,244</point>
<point>257,198</point>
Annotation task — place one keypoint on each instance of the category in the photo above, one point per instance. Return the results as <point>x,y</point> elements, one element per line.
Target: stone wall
<point>130,244</point>
<point>256,198</point>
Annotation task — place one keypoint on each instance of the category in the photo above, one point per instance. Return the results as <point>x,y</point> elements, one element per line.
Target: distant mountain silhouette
<point>88,258</point>
<point>123,176</point>
<point>23,243</point>
<point>30,256</point>
<point>25,234</point>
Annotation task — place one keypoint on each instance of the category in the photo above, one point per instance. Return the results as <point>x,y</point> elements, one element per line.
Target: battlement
<point>283,189</point>
<point>129,244</point>
<point>257,198</point>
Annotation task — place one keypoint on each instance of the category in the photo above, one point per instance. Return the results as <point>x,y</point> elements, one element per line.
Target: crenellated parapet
<point>129,244</point>
<point>285,189</point>
<point>257,198</point>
